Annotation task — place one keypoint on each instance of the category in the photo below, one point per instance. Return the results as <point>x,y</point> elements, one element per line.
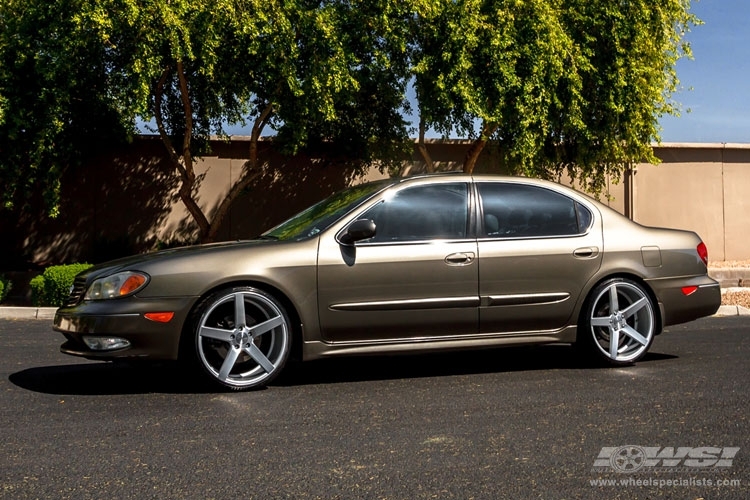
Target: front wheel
<point>619,323</point>
<point>242,337</point>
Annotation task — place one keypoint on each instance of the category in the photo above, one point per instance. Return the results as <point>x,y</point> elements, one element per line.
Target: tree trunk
<point>470,160</point>
<point>422,148</point>
<point>182,163</point>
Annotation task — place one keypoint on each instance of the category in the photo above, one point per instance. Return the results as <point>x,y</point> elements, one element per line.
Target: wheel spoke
<point>229,361</point>
<point>614,306</point>
<point>614,342</point>
<point>215,333</point>
<point>239,310</point>
<point>635,307</point>
<point>633,334</point>
<point>266,326</point>
<point>600,321</point>
<point>259,357</point>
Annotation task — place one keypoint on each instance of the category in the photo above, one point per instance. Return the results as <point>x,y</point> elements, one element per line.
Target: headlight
<point>116,285</point>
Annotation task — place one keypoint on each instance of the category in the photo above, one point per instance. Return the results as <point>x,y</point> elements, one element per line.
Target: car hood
<point>137,262</point>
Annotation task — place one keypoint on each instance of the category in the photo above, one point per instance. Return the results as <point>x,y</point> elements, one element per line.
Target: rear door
<point>537,250</point>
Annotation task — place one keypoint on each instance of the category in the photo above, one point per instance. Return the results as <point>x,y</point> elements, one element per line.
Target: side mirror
<point>358,230</point>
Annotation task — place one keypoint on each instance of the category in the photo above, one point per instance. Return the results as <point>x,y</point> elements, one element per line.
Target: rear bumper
<point>677,307</point>
<point>124,319</point>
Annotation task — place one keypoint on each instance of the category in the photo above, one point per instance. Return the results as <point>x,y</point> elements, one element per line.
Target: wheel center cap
<point>242,337</point>
<point>617,321</point>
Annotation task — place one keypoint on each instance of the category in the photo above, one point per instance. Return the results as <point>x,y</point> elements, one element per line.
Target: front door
<point>416,278</point>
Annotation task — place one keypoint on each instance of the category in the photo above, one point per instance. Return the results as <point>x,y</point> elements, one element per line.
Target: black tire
<point>632,322</point>
<point>241,337</point>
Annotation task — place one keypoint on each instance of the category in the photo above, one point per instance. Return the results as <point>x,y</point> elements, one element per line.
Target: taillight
<point>703,252</point>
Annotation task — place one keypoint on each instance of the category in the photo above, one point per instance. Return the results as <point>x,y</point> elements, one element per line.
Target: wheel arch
<point>275,292</point>
<point>659,323</point>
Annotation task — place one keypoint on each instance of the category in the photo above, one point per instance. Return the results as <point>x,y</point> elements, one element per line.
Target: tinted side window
<point>517,211</point>
<point>419,213</point>
<point>584,218</point>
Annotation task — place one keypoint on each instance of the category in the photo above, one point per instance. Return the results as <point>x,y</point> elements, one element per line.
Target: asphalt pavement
<point>521,422</point>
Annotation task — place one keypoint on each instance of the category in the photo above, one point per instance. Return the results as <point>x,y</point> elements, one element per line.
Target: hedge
<point>52,287</point>
<point>5,286</point>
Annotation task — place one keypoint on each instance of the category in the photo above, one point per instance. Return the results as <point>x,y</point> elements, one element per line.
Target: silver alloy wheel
<point>243,338</point>
<point>622,321</point>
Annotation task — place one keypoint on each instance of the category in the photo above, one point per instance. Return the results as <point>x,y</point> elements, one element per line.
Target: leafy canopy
<point>572,86</point>
<point>561,85</point>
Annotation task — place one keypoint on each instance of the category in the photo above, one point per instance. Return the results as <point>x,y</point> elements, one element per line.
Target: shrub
<point>5,286</point>
<point>52,287</point>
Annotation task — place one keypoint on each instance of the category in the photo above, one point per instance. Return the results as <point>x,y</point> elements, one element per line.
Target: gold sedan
<point>404,265</point>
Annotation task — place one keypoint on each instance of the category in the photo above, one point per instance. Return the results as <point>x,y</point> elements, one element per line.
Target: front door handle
<point>460,259</point>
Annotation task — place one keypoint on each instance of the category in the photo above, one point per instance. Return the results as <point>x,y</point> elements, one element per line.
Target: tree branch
<point>158,97</point>
<point>422,148</point>
<point>470,161</point>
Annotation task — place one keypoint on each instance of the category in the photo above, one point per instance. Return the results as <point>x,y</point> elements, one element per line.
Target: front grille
<point>76,292</point>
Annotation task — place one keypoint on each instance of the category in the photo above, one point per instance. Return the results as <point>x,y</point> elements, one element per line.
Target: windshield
<point>320,216</point>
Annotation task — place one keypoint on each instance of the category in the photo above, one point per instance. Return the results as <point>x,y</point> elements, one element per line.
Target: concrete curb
<point>27,312</point>
<point>730,277</point>
<point>732,311</point>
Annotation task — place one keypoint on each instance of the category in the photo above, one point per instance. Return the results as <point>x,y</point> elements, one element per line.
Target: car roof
<point>555,186</point>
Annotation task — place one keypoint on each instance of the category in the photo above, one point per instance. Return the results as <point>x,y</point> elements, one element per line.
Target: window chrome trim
<point>361,244</point>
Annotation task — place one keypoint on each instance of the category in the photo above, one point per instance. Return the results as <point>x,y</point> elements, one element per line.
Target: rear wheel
<point>620,322</point>
<point>242,337</point>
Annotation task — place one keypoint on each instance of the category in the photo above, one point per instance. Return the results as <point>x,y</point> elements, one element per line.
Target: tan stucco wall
<point>126,202</point>
<point>700,187</point>
<point>737,205</point>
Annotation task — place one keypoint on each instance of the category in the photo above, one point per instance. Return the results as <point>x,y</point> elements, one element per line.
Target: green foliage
<point>52,287</point>
<point>5,286</point>
<point>315,72</point>
<point>58,99</point>
<point>572,86</point>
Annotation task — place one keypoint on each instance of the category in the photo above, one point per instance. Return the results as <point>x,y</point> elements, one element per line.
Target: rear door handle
<point>586,252</point>
<point>460,259</point>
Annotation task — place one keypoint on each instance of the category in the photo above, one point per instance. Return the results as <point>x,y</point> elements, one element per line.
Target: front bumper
<point>124,318</point>
<point>677,307</point>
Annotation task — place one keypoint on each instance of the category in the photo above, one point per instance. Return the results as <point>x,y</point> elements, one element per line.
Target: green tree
<point>312,71</point>
<point>560,85</point>
<point>57,97</point>
<point>572,86</point>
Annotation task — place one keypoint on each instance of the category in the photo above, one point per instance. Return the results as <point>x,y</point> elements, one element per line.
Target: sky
<point>715,93</point>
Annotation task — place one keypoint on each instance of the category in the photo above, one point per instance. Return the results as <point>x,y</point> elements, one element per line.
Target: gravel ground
<point>735,297</point>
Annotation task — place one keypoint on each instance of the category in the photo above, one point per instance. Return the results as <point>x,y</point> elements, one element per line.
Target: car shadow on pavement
<point>497,360</point>
<point>100,378</point>
<point>114,378</point>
